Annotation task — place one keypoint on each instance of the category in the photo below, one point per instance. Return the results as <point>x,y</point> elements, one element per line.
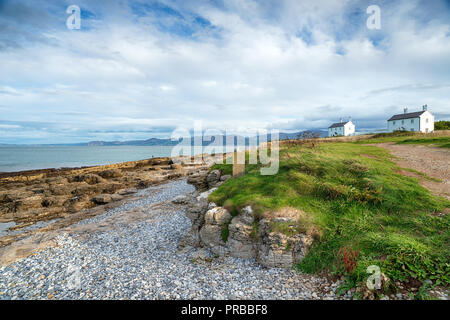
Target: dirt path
<point>433,161</point>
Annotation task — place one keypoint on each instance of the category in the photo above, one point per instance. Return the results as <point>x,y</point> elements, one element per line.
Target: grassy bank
<point>439,138</point>
<point>354,198</point>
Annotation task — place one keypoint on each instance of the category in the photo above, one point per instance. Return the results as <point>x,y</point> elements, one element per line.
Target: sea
<point>19,158</point>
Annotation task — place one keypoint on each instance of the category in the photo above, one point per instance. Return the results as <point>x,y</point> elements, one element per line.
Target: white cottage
<point>413,121</point>
<point>341,129</point>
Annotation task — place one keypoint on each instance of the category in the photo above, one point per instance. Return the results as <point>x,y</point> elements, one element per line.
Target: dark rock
<point>110,173</point>
<point>102,199</point>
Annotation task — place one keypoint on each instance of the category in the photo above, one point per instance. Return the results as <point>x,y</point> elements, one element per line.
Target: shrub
<point>350,257</point>
<point>396,133</point>
<point>442,125</point>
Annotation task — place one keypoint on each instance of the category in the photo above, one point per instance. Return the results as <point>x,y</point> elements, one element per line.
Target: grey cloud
<point>126,78</point>
<point>409,87</point>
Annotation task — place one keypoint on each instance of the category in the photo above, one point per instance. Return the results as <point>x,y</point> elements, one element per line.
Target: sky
<point>141,69</point>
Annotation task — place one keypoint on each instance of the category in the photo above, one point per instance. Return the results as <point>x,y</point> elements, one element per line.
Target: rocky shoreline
<point>130,242</point>
<point>161,241</point>
<point>32,200</point>
<point>133,252</point>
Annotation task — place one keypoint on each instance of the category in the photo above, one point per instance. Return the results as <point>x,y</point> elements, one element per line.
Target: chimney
<point>424,107</point>
<point>340,120</point>
<point>350,118</point>
<point>405,110</point>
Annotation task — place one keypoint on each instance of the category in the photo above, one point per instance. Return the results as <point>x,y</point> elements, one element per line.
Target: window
<point>426,120</point>
<point>393,123</point>
<point>403,121</point>
<point>412,120</point>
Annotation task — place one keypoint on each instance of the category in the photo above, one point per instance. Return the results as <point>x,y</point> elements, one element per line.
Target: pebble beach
<point>142,260</point>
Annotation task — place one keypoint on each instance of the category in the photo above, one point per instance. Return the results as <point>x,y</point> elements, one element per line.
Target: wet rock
<point>144,184</point>
<point>102,199</point>
<point>110,173</point>
<point>116,197</point>
<point>60,189</point>
<point>125,192</point>
<point>6,198</point>
<point>29,202</point>
<point>160,161</point>
<point>88,178</point>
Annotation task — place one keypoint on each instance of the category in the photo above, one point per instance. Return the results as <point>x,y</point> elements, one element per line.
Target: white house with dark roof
<point>341,129</point>
<point>412,121</point>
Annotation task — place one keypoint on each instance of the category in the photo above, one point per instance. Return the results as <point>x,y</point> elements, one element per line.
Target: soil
<point>433,161</point>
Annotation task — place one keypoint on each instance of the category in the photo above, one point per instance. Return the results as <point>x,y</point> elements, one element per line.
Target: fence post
<point>238,163</point>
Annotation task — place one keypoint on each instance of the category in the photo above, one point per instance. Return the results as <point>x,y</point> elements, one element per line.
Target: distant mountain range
<point>207,140</point>
<point>168,142</point>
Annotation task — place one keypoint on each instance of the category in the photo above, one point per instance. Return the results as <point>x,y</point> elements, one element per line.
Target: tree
<point>442,125</point>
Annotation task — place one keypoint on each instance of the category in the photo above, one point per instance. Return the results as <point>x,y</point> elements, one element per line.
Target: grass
<point>437,139</point>
<point>423,175</point>
<point>443,142</point>
<point>349,198</point>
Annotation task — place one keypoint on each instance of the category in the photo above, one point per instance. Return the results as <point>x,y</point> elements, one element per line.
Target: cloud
<point>138,69</point>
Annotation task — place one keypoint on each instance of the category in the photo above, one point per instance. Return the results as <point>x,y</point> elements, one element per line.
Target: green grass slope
<point>353,196</point>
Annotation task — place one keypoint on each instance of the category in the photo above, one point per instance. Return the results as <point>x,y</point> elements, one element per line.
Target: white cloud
<point>254,70</point>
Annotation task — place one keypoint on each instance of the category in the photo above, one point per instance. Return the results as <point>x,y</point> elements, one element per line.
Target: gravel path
<point>141,261</point>
<point>431,160</point>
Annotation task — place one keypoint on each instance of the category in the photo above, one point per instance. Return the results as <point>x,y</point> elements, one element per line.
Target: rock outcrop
<point>216,220</point>
<point>276,249</point>
<point>204,180</point>
<point>241,240</point>
<point>241,236</point>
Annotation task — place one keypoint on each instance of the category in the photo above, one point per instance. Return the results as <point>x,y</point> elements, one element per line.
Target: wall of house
<point>338,131</point>
<point>412,124</point>
<point>349,129</point>
<point>427,126</point>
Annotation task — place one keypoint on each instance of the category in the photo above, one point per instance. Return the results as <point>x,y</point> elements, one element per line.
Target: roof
<point>406,115</point>
<point>338,124</point>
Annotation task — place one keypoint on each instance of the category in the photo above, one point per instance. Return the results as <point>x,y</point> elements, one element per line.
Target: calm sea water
<point>18,158</point>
